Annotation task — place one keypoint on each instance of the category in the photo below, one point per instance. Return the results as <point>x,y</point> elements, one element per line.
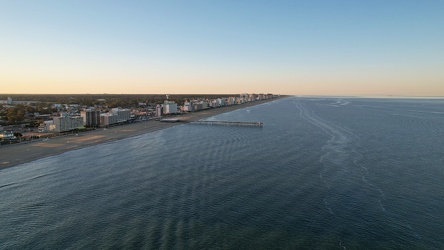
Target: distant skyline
<point>320,47</point>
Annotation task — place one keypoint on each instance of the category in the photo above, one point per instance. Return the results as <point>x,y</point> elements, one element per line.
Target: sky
<point>312,47</point>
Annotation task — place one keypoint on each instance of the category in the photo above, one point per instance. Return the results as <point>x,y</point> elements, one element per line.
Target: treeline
<point>19,113</point>
<point>111,100</point>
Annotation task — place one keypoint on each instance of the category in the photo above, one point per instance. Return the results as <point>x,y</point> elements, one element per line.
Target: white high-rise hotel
<point>123,115</point>
<point>169,107</point>
<point>66,123</point>
<point>115,116</point>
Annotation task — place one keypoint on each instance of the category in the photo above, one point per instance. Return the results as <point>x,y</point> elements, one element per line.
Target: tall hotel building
<point>159,110</point>
<point>91,118</point>
<point>66,123</point>
<point>123,115</point>
<point>108,119</point>
<point>169,107</point>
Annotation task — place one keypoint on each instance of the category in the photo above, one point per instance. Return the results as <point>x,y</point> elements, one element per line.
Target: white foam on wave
<point>339,150</point>
<point>363,178</point>
<point>338,103</point>
<point>336,149</point>
<point>413,116</point>
<point>342,246</point>
<point>382,206</point>
<point>327,206</point>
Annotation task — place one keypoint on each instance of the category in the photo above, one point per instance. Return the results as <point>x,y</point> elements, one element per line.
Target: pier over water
<point>228,123</point>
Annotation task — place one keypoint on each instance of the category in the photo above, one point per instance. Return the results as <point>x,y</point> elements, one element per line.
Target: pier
<point>228,123</point>
<point>169,120</point>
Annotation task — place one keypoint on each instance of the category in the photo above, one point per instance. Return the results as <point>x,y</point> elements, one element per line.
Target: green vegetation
<point>16,114</point>
<point>110,100</point>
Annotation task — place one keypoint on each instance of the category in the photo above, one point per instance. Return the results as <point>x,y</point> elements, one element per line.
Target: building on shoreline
<point>66,123</point>
<point>108,119</point>
<point>159,110</point>
<point>116,115</point>
<point>187,106</point>
<point>123,115</point>
<point>91,118</point>
<point>169,107</point>
<point>46,126</point>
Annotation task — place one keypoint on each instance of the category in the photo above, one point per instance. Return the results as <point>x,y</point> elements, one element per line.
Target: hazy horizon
<point>340,48</point>
<point>289,95</point>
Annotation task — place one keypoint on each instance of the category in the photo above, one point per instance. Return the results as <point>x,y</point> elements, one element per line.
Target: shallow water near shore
<point>339,173</point>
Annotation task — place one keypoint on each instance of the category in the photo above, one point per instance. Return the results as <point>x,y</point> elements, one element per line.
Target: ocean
<point>322,173</point>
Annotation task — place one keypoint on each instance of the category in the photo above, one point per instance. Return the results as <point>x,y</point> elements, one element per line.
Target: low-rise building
<point>46,126</point>
<point>6,135</point>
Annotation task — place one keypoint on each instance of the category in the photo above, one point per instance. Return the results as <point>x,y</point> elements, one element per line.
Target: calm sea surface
<point>323,173</point>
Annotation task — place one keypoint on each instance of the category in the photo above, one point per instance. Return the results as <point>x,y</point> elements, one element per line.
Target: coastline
<point>16,154</point>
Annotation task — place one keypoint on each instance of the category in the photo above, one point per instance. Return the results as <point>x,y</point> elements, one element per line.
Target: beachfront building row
<point>256,97</point>
<point>91,118</point>
<point>107,119</point>
<point>123,115</point>
<point>202,104</point>
<point>87,118</point>
<point>61,123</point>
<point>66,123</point>
<point>169,107</point>
<point>116,115</point>
<point>166,108</point>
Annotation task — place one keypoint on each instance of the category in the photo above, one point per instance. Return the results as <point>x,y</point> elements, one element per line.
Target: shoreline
<point>16,154</point>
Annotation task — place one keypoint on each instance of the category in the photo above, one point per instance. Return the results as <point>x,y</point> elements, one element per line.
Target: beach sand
<point>12,155</point>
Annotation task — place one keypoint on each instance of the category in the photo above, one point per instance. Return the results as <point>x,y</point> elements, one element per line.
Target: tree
<point>16,114</point>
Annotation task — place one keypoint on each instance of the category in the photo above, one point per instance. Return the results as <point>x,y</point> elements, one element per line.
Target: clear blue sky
<point>288,47</point>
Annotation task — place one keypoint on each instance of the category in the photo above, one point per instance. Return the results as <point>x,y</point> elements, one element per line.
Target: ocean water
<point>323,173</point>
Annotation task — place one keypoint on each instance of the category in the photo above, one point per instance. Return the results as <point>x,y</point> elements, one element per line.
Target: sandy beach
<point>12,155</point>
